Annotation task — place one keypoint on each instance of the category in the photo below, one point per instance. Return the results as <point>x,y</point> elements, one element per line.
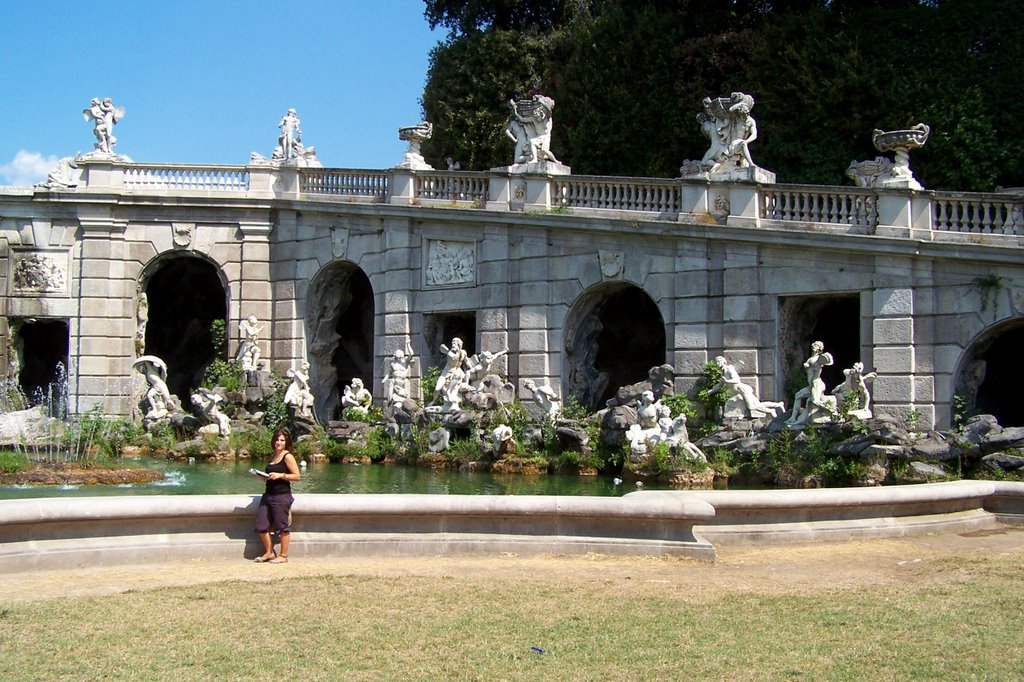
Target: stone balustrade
<point>175,177</point>
<point>918,214</point>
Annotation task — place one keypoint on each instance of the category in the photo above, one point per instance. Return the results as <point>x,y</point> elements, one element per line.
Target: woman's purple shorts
<point>273,514</point>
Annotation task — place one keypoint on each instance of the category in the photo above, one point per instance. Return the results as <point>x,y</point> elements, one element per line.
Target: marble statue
<point>290,138</point>
<point>479,366</point>
<point>397,376</point>
<point>158,397</point>
<point>438,439</point>
<point>104,116</point>
<point>289,150</point>
<point>207,402</point>
<point>867,174</point>
<point>810,404</point>
<point>529,126</point>
<point>356,400</point>
<point>503,443</point>
<point>63,176</point>
<point>415,136</point>
<point>298,396</point>
<point>852,395</point>
<point>452,381</point>
<point>729,127</point>
<point>900,142</point>
<point>741,400</point>
<point>249,350</point>
<point>655,425</point>
<point>545,397</point>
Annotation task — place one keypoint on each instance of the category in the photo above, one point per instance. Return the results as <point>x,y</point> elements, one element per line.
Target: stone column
<point>253,291</point>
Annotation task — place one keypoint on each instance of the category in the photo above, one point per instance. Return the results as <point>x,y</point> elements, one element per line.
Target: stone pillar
<point>102,342</point>
<point>399,246</point>
<point>893,390</point>
<point>253,289</point>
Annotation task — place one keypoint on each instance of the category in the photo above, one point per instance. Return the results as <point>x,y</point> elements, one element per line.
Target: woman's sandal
<point>263,559</point>
<point>283,559</point>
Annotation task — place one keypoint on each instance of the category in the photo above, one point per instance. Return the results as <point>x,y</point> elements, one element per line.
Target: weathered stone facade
<point>553,269</point>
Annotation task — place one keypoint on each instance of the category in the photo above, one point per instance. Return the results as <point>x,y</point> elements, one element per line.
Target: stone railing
<point>978,213</point>
<point>345,182</point>
<point>833,205</point>
<point>998,218</point>
<point>451,186</point>
<point>174,177</point>
<point>649,195</point>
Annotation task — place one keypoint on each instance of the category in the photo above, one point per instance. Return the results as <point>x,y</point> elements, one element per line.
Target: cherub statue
<point>545,397</point>
<point>356,400</point>
<point>104,115</point>
<point>479,366</point>
<point>298,396</point>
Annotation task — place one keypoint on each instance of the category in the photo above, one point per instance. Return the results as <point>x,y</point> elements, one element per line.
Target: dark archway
<point>42,347</point>
<point>614,335</point>
<point>185,296</point>
<point>990,374</point>
<point>833,320</point>
<point>339,322</point>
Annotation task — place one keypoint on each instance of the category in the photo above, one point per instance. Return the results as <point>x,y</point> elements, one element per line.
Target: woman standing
<point>273,513</point>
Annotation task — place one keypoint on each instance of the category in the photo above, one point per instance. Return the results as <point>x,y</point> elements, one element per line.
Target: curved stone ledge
<point>67,533</point>
<point>835,514</point>
<point>48,533</point>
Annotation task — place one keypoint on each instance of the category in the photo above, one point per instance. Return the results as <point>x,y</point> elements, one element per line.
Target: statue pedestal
<point>752,174</point>
<point>535,168</point>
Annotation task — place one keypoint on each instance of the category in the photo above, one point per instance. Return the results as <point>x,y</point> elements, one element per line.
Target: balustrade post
<point>744,204</point>
<point>102,175</point>
<point>261,181</point>
<point>288,182</point>
<point>906,214</point>
<point>693,199</point>
<point>403,186</point>
<point>538,193</point>
<point>501,191</point>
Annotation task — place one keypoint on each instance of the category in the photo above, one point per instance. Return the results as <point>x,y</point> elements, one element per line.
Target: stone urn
<point>900,142</point>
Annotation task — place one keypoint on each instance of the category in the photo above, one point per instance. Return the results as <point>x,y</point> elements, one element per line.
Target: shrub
<point>12,462</point>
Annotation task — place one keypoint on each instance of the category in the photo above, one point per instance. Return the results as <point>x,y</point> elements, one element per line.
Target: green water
<point>224,478</point>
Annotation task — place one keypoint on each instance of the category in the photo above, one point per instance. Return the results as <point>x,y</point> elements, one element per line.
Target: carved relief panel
<point>450,263</point>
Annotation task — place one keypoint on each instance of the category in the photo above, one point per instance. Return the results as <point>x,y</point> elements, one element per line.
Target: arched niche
<point>614,335</point>
<point>339,327</point>
<point>990,373</point>
<point>834,320</point>
<point>184,294</point>
<point>41,358</point>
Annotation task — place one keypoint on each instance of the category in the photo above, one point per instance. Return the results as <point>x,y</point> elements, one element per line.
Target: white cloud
<point>27,168</point>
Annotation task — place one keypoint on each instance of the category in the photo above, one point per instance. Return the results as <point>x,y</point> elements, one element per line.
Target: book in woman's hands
<point>257,472</point>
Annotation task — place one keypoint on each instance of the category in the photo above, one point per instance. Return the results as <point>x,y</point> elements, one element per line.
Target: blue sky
<point>207,82</point>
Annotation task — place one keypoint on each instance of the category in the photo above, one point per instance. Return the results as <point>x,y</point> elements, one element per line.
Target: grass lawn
<point>953,618</point>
